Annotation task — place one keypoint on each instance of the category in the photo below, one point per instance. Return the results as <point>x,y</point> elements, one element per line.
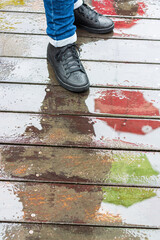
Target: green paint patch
<point>131,168</point>
<point>126,196</point>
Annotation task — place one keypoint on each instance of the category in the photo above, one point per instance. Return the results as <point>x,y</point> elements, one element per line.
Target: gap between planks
<point>119,116</point>
<point>78,183</point>
<point>111,16</point>
<point>80,147</point>
<point>84,36</point>
<point>79,225</point>
<point>83,59</point>
<point>92,86</point>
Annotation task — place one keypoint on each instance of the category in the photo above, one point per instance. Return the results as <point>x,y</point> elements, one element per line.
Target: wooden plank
<point>26,71</point>
<point>24,6</point>
<point>16,45</point>
<point>129,28</point>
<point>80,204</point>
<point>100,73</point>
<point>23,22</point>
<point>104,50</point>
<point>99,101</point>
<point>99,132</point>
<point>75,165</point>
<point>50,232</point>
<point>145,9</point>
<point>124,27</point>
<point>119,50</point>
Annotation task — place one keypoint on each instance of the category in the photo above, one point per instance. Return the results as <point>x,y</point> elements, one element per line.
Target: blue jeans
<point>60,19</point>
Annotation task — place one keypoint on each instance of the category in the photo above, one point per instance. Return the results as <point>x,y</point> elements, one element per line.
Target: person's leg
<point>61,51</point>
<point>60,19</point>
<point>61,16</point>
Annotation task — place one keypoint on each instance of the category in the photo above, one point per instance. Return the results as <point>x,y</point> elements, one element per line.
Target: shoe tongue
<point>67,50</point>
<point>89,11</point>
<point>67,47</point>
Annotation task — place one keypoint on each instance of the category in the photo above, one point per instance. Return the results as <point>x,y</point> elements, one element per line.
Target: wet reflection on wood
<point>80,165</point>
<point>100,73</point>
<point>56,162</point>
<point>35,231</point>
<point>117,50</point>
<point>129,28</point>
<point>56,100</point>
<point>82,204</point>
<point>48,232</point>
<point>80,131</point>
<point>145,9</point>
<point>26,71</point>
<point>124,28</point>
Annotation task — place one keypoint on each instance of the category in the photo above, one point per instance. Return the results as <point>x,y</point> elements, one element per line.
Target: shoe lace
<point>89,12</point>
<point>70,58</point>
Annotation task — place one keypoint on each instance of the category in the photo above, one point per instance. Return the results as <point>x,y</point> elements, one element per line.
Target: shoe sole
<point>97,30</point>
<point>66,86</point>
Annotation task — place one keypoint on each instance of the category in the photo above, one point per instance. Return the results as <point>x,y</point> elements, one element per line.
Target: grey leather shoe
<point>90,20</point>
<point>68,68</point>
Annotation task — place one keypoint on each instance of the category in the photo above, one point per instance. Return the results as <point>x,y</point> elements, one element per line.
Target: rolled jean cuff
<point>64,42</point>
<point>78,4</point>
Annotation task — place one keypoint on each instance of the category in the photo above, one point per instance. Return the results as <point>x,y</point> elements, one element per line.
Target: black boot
<point>68,68</point>
<point>92,21</point>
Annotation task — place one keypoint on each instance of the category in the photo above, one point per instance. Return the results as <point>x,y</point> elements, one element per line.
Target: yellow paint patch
<point>11,3</point>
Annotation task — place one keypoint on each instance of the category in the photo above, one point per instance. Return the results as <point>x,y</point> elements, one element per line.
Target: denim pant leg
<point>60,19</point>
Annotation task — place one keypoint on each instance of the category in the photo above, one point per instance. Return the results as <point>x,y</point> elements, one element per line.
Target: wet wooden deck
<point>80,166</point>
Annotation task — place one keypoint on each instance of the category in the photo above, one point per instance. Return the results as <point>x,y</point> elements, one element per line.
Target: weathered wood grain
<point>30,23</point>
<point>56,100</point>
<point>80,165</point>
<point>79,204</point>
<point>81,170</point>
<point>52,232</point>
<point>143,9</point>
<point>24,6</point>
<point>99,132</point>
<point>106,74</point>
<point>26,71</point>
<point>129,28</point>
<point>119,50</point>
<point>92,49</point>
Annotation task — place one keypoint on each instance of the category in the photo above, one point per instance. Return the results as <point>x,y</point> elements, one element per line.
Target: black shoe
<point>68,68</point>
<point>92,21</point>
